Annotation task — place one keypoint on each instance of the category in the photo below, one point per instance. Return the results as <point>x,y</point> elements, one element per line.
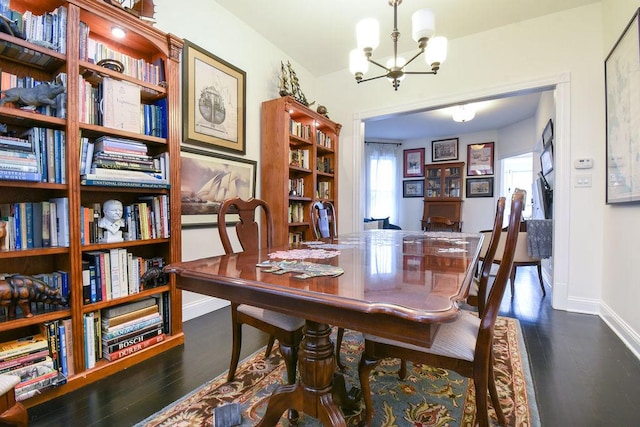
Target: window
<point>517,172</point>
<point>381,180</point>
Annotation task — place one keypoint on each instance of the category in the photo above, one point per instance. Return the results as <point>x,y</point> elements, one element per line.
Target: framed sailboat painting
<point>208,178</point>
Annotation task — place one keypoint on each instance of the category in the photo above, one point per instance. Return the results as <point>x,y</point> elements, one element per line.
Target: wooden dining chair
<point>11,412</point>
<point>441,223</point>
<point>464,346</point>
<point>288,330</point>
<point>478,291</point>
<point>323,219</point>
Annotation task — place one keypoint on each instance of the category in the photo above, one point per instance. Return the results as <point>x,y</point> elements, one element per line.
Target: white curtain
<point>381,181</point>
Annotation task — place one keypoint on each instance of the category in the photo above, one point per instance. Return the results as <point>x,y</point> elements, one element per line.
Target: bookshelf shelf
<point>152,69</point>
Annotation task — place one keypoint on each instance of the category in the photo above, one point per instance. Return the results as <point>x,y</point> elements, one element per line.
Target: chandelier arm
<point>421,72</point>
<point>372,78</point>
<point>414,57</point>
<point>378,64</point>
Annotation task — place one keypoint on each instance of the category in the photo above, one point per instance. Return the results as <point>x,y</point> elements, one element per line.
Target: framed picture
<point>622,82</point>
<point>480,159</point>
<point>480,187</point>
<point>207,179</point>
<point>546,159</point>
<point>547,133</point>
<point>414,162</point>
<point>213,101</point>
<point>413,188</point>
<point>444,149</point>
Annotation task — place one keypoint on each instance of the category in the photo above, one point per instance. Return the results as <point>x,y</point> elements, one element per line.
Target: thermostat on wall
<point>586,163</point>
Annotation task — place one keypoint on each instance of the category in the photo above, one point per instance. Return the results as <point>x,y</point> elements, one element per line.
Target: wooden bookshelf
<point>290,126</point>
<point>25,58</point>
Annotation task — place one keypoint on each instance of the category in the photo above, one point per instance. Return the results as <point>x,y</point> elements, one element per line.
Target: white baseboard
<point>583,305</point>
<point>621,329</point>
<point>202,306</point>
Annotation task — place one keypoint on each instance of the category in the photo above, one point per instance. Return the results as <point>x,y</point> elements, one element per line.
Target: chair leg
<point>493,393</point>
<point>235,351</point>
<point>16,415</point>
<point>512,279</point>
<point>290,355</point>
<point>270,343</point>
<point>402,372</point>
<point>339,337</point>
<point>364,370</point>
<point>544,292</point>
<point>481,384</point>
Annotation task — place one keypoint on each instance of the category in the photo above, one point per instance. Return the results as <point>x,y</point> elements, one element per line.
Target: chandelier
<point>368,37</point>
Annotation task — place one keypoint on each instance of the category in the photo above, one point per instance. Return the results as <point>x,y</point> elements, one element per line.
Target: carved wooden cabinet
<point>443,191</point>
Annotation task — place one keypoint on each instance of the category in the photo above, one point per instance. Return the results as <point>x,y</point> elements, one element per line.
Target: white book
<point>114,258</point>
<point>89,341</point>
<point>121,105</point>
<point>124,273</point>
<point>62,220</point>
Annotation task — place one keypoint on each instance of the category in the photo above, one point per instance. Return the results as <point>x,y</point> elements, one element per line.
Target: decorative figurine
<point>285,87</point>
<point>21,291</point>
<point>112,221</point>
<point>323,111</point>
<point>32,97</point>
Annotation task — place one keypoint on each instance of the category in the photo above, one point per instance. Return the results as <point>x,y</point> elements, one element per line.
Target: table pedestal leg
<point>314,393</point>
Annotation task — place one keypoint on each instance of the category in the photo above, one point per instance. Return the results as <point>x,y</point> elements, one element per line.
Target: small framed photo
<point>443,150</point>
<point>480,187</point>
<point>213,101</point>
<point>547,133</point>
<point>480,159</point>
<point>413,188</point>
<point>414,162</point>
<point>546,159</point>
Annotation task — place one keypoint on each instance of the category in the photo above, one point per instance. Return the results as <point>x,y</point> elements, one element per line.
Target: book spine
<point>12,175</point>
<point>115,321</point>
<point>130,341</point>
<point>120,330</point>
<point>62,339</point>
<point>89,340</point>
<point>127,308</point>
<point>68,332</point>
<point>27,360</point>
<point>127,184</point>
<point>134,348</point>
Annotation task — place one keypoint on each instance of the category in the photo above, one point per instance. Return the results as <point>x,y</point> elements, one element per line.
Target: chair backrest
<point>441,223</point>
<point>247,227</point>
<point>491,248</point>
<point>488,317</point>
<point>323,218</point>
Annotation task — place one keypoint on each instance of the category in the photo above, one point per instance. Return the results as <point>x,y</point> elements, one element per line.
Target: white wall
<point>620,235</point>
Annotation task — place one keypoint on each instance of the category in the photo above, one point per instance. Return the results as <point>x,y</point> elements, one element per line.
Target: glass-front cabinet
<point>443,191</point>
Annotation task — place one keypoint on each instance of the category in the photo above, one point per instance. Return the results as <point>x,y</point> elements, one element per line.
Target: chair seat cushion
<point>456,339</point>
<point>282,321</point>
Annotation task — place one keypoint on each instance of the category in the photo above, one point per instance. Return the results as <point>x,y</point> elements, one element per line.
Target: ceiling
<point>319,35</point>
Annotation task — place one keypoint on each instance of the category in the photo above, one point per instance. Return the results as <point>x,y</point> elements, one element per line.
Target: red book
<point>134,348</point>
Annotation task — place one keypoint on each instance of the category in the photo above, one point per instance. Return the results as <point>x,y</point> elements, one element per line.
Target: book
<point>104,182</point>
<point>134,348</point>
<point>62,350</point>
<point>121,105</point>
<point>68,336</point>
<point>27,372</point>
<point>21,361</point>
<point>124,318</point>
<point>11,175</point>
<point>121,309</point>
<point>89,341</point>
<point>23,346</point>
<point>62,220</point>
<point>129,327</point>
<point>125,342</point>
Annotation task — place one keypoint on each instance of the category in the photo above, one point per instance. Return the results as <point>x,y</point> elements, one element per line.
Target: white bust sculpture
<point>112,221</point>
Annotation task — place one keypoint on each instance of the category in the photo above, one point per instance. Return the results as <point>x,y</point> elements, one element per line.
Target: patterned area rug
<point>427,397</point>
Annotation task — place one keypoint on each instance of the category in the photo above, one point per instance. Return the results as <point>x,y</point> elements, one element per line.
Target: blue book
<point>64,286</point>
<point>62,351</point>
<point>28,224</point>
<point>17,221</point>
<point>11,175</point>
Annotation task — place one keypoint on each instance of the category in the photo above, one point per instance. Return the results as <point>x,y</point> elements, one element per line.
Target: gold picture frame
<point>213,101</point>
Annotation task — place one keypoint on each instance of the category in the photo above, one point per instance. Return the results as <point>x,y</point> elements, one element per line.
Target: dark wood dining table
<point>395,284</point>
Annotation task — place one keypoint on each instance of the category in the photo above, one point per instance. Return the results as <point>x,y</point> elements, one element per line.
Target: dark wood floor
<point>582,373</point>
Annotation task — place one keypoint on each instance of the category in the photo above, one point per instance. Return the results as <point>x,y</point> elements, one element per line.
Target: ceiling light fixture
<point>368,36</point>
<point>463,113</point>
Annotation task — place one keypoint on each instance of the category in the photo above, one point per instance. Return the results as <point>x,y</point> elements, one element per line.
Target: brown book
<point>118,320</point>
